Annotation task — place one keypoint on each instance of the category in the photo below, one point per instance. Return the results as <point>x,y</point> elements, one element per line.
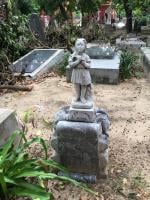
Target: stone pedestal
<point>81,143</point>
<point>82,115</point>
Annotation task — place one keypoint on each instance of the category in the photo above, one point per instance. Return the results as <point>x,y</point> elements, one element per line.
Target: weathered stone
<point>103,159</point>
<point>130,43</point>
<point>80,177</point>
<point>77,146</point>
<point>146,60</point>
<point>81,147</point>
<point>82,115</point>
<point>148,41</point>
<point>145,29</point>
<point>80,105</point>
<point>8,124</point>
<point>100,52</point>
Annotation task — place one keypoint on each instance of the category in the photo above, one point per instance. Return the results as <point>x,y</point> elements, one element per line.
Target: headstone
<point>36,26</point>
<point>148,41</point>
<point>80,138</point>
<point>82,146</point>
<point>146,60</point>
<point>98,52</point>
<point>145,30</point>
<point>8,124</point>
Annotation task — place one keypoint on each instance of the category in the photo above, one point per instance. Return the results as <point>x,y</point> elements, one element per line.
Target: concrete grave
<point>38,61</point>
<point>130,43</point>
<point>8,124</point>
<point>145,29</point>
<point>100,52</point>
<point>146,60</point>
<point>104,70</point>
<point>148,41</point>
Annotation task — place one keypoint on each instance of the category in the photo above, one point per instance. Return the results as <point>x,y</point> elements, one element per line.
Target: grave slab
<point>146,60</point>
<point>102,70</point>
<point>145,29</point>
<point>38,61</point>
<point>8,124</point>
<point>130,43</point>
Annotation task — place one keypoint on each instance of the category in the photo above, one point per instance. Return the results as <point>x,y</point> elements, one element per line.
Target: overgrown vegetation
<point>62,67</point>
<point>127,65</point>
<point>23,175</point>
<point>15,41</point>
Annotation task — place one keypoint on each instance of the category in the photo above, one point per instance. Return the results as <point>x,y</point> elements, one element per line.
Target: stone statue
<point>80,62</point>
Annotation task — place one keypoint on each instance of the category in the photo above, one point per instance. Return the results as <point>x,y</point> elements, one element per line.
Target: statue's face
<point>80,46</point>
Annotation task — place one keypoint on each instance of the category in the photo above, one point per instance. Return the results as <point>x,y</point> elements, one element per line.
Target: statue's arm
<point>73,63</point>
<point>86,63</point>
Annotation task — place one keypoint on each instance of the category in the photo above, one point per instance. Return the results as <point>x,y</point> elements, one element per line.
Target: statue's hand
<point>79,58</point>
<point>83,63</point>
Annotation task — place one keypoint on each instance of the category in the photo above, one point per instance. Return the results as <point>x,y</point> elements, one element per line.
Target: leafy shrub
<point>27,6</point>
<point>62,67</point>
<point>17,168</point>
<point>127,63</point>
<point>15,38</point>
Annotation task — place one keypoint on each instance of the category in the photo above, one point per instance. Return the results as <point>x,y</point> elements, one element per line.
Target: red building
<point>103,12</point>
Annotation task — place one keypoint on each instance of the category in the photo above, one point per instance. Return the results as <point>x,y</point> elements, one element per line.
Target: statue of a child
<point>80,62</point>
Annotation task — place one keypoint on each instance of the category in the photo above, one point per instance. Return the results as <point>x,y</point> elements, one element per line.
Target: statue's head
<point>80,45</point>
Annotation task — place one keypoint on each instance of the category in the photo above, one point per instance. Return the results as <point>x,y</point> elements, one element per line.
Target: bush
<point>62,67</point>
<point>23,176</point>
<point>127,62</point>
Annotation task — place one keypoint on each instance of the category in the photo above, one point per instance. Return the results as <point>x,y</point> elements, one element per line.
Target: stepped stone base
<point>82,146</point>
<point>82,115</point>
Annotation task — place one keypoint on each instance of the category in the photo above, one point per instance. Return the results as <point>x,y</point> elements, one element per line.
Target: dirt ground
<point>128,106</point>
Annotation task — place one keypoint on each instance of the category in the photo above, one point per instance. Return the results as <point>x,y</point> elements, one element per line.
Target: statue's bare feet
<point>83,100</point>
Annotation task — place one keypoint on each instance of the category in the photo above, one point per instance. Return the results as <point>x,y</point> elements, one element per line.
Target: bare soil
<point>128,106</point>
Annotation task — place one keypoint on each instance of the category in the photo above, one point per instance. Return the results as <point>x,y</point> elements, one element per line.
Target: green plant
<point>21,175</point>
<point>28,116</point>
<point>15,39</point>
<point>127,64</point>
<point>62,67</point>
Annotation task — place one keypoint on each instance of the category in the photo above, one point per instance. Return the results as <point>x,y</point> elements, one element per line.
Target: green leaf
<point>21,166</point>
<point>7,146</point>
<point>43,175</point>
<point>31,190</point>
<point>3,184</point>
<point>53,164</point>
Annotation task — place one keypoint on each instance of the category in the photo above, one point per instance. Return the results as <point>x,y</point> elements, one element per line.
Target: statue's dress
<point>80,75</point>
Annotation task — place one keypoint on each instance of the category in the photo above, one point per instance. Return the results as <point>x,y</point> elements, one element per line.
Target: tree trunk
<point>63,11</point>
<point>128,11</point>
<point>16,87</point>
